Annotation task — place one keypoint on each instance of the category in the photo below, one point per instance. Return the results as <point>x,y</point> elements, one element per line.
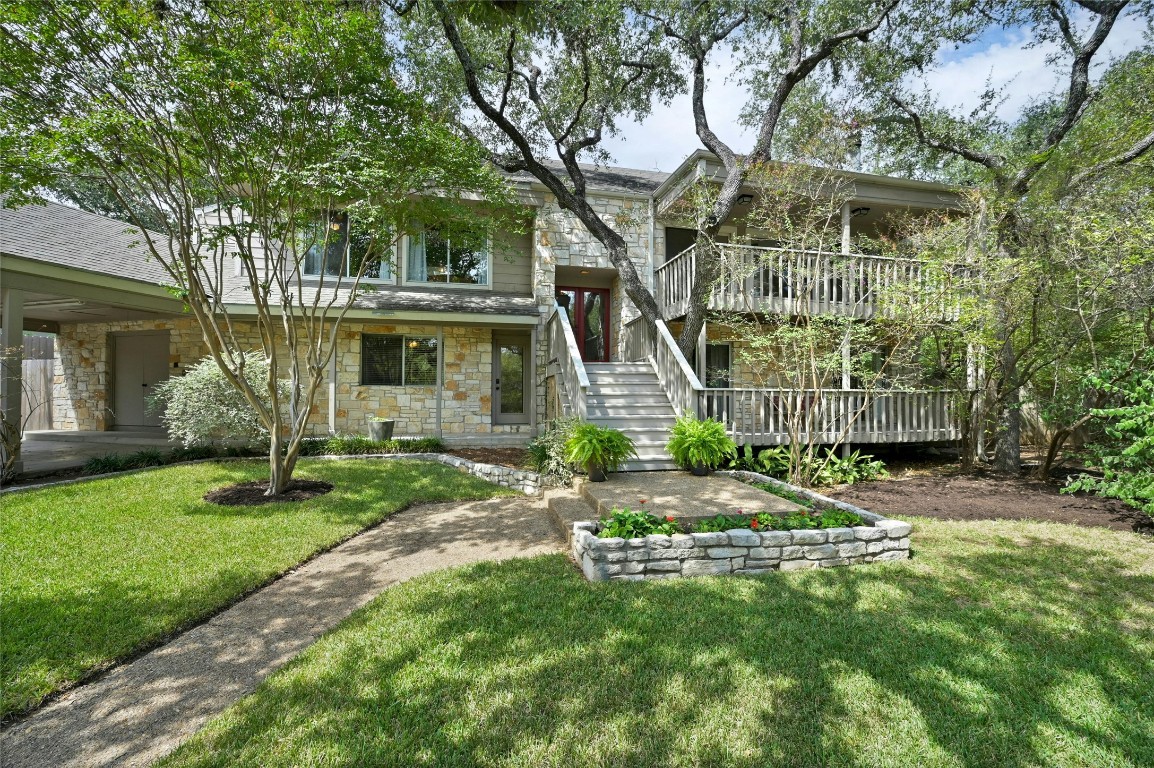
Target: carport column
<point>12,349</point>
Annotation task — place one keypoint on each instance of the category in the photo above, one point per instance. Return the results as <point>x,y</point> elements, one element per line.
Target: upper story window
<point>332,250</point>
<point>458,258</point>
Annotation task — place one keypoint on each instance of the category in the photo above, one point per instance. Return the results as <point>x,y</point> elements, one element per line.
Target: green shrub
<point>1127,460</point>
<point>590,444</point>
<point>547,452</point>
<point>203,407</point>
<point>721,523</point>
<point>768,461</point>
<point>699,442</point>
<point>629,524</point>
<point>360,445</point>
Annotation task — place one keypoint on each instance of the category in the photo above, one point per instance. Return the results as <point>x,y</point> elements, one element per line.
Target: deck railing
<point>677,378</point>
<point>771,416</point>
<point>563,349</point>
<point>780,281</point>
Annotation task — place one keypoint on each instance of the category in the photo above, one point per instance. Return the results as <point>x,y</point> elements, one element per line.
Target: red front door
<point>588,310</point>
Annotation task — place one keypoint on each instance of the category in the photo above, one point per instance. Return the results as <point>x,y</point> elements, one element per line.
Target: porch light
<point>585,272</point>
<point>744,199</point>
<point>413,344</point>
<point>858,212</point>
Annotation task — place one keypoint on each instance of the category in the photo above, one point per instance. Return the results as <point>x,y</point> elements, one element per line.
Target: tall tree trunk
<point>278,477</point>
<point>705,275</point>
<point>1008,434</point>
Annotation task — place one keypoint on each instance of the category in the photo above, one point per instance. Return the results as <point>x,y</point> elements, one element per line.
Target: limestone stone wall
<point>82,381</point>
<point>739,551</point>
<point>561,240</point>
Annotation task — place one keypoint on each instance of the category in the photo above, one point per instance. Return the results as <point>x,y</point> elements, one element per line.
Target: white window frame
<point>403,259</point>
<point>390,280</point>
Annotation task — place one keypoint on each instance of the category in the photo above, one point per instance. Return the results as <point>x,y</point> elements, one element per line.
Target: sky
<point>1001,57</point>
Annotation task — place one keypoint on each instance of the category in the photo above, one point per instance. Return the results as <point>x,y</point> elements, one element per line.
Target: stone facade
<point>82,382</point>
<point>83,373</point>
<point>739,551</point>
<point>561,240</point>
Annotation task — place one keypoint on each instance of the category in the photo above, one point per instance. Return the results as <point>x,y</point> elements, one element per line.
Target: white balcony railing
<point>779,281</point>
<point>772,416</point>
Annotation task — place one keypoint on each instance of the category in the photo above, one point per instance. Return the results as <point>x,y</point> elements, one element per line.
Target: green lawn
<point>1035,650</point>
<point>93,571</point>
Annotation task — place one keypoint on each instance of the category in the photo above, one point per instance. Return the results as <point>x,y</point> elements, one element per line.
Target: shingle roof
<point>69,237</point>
<point>608,178</point>
<point>431,300</point>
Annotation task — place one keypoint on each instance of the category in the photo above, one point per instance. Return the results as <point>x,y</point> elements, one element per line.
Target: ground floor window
<point>398,361</point>
<point>718,365</point>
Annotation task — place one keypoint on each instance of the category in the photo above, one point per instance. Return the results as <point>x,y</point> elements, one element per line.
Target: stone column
<point>12,349</point>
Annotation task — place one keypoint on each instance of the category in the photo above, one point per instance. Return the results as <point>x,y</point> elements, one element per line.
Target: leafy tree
<point>556,77</point>
<point>1023,170</point>
<point>286,115</point>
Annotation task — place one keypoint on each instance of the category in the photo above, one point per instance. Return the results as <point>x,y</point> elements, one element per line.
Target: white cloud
<point>667,136</point>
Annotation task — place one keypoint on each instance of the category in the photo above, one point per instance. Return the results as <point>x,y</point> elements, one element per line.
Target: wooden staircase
<point>629,397</point>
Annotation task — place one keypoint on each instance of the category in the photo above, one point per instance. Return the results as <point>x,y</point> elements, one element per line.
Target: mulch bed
<point>990,496</point>
<point>517,458</point>
<point>251,494</point>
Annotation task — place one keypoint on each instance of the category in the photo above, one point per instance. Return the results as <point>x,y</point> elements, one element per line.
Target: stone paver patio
<point>143,710</point>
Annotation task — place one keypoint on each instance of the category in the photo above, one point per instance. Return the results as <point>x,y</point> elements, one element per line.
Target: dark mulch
<point>251,494</point>
<point>991,496</point>
<point>517,458</point>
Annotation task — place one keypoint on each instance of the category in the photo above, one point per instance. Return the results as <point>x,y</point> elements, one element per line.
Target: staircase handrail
<point>677,378</point>
<point>563,348</point>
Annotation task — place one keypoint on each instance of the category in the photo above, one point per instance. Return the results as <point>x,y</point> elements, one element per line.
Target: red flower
<point>669,518</point>
<point>642,501</point>
<point>753,523</point>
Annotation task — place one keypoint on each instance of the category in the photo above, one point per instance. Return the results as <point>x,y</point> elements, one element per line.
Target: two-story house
<point>475,342</point>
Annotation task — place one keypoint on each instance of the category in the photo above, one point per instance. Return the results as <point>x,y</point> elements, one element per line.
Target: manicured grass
<point>93,571</point>
<point>999,644</point>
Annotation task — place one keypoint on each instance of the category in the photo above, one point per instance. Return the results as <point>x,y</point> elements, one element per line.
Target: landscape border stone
<point>523,480</point>
<point>742,551</point>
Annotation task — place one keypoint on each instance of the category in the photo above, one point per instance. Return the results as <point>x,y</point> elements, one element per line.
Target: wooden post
<point>845,233</point>
<point>12,348</point>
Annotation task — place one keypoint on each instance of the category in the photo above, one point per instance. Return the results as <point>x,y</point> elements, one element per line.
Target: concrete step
<point>614,408</point>
<point>650,465</point>
<point>156,438</point>
<point>652,389</point>
<point>566,508</point>
<point>662,421</point>
<point>610,377</point>
<point>619,367</point>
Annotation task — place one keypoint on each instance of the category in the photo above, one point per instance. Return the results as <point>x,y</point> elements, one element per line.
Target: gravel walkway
<point>143,710</point>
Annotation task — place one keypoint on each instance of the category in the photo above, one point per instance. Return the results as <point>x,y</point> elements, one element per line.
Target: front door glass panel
<point>588,312</point>
<point>512,387</point>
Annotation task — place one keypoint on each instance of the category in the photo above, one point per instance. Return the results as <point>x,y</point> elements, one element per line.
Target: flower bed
<point>831,534</point>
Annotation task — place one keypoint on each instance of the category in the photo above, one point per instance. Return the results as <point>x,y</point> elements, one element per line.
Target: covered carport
<point>60,265</point>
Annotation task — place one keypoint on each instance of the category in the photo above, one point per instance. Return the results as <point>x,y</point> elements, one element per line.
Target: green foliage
<point>590,444</point>
<point>202,407</point>
<point>630,524</point>
<point>154,457</point>
<point>1127,462</point>
<point>772,461</point>
<point>766,521</point>
<point>784,493</point>
<point>360,445</point>
<point>700,442</point>
<point>547,451</point>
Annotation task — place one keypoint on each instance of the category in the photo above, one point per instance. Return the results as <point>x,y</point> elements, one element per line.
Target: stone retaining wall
<point>739,551</point>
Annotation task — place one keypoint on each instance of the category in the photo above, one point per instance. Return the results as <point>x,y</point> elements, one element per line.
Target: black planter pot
<point>596,472</point>
<point>700,470</point>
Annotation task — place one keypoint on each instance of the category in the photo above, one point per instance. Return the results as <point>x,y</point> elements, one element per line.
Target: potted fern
<point>700,445</point>
<point>598,449</point>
